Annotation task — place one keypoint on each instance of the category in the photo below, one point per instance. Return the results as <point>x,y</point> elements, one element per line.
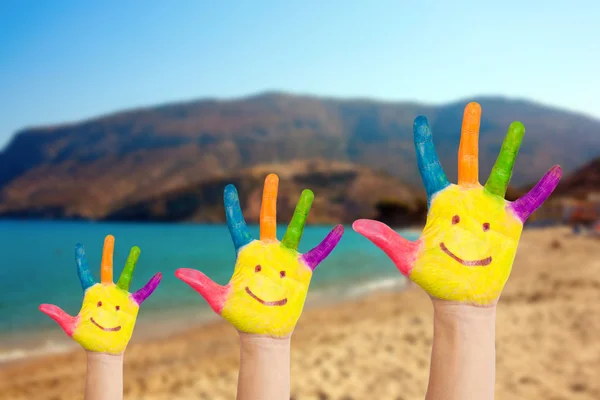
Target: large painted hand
<point>108,313</point>
<point>467,248</point>
<point>269,284</point>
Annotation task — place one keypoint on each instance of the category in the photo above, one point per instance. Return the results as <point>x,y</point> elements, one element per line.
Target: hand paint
<point>108,313</point>
<point>270,280</point>
<point>468,246</point>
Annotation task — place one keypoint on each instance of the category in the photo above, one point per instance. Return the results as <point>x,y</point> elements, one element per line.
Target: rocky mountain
<point>119,165</point>
<point>343,192</point>
<point>583,183</point>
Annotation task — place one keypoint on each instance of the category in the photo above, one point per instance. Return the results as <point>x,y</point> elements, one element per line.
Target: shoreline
<point>51,340</point>
<point>378,345</point>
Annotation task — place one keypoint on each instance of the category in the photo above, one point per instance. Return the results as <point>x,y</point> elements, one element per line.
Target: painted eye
<point>99,304</point>
<point>486,226</point>
<point>257,268</point>
<point>117,308</point>
<point>455,219</point>
<point>282,274</point>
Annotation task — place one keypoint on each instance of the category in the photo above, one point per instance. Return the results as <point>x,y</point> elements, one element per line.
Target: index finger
<point>431,170</point>
<point>83,270</point>
<point>235,219</point>
<point>106,268</point>
<point>468,152</point>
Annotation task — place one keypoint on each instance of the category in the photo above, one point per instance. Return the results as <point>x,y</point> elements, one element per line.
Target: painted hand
<point>269,284</point>
<point>108,313</point>
<point>467,248</point>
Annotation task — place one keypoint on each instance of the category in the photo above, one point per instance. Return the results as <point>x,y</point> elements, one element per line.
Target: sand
<point>378,347</point>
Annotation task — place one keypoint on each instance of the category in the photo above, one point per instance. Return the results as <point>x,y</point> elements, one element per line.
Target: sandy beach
<point>378,346</point>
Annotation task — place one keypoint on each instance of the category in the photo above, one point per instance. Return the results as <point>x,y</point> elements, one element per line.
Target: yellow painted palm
<point>466,251</point>
<point>108,313</point>
<point>270,280</point>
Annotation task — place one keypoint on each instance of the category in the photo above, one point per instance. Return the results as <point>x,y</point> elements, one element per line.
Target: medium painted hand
<point>108,313</point>
<point>270,281</point>
<point>466,251</point>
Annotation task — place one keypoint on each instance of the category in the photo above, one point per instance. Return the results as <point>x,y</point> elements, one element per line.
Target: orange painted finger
<point>468,152</point>
<point>106,268</point>
<point>268,210</point>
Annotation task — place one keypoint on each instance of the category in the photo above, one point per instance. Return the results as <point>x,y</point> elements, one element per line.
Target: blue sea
<point>37,265</point>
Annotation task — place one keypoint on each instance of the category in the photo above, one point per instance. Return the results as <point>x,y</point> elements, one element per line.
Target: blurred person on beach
<point>464,255</point>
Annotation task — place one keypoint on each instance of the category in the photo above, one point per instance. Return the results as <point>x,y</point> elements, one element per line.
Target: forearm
<point>463,358</point>
<point>264,368</point>
<point>104,377</point>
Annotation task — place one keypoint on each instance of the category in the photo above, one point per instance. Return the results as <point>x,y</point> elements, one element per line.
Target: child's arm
<point>266,293</point>
<point>104,376</point>
<point>464,255</point>
<point>264,368</point>
<point>106,320</point>
<point>464,354</point>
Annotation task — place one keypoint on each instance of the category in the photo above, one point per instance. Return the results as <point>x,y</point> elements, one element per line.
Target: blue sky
<point>70,60</point>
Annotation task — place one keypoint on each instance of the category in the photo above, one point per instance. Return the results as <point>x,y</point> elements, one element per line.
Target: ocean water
<point>37,265</point>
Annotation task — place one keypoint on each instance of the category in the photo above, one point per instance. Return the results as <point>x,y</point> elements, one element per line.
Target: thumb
<point>212,292</point>
<point>402,252</point>
<point>66,322</point>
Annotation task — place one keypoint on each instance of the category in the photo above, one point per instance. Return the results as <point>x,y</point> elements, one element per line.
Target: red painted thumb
<point>212,292</point>
<point>66,322</point>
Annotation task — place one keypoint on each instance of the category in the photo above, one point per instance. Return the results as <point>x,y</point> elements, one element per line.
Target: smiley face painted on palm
<point>106,319</point>
<point>468,246</point>
<point>270,281</point>
<point>108,313</point>
<point>269,284</point>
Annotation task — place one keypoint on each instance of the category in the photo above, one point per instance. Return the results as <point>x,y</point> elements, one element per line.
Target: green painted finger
<point>296,227</point>
<point>127,274</point>
<point>499,178</point>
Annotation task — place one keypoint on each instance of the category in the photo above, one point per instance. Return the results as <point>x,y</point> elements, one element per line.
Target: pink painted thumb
<point>212,292</point>
<point>402,252</point>
<point>66,322</point>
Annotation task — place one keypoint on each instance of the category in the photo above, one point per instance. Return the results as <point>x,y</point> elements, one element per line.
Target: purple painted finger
<point>141,295</point>
<point>319,253</point>
<point>526,205</point>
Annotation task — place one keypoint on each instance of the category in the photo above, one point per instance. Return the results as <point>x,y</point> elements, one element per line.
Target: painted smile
<point>475,263</point>
<point>118,328</point>
<point>266,303</point>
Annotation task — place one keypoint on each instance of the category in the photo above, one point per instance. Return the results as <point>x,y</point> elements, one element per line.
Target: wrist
<point>254,341</point>
<point>108,357</point>
<point>463,323</point>
<point>104,360</point>
<point>460,311</point>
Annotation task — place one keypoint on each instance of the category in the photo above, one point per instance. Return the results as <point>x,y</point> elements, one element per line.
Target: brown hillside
<point>105,165</point>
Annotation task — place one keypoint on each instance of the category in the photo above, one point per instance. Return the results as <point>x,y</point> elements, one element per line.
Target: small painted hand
<point>468,246</point>
<point>270,281</point>
<point>108,313</point>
